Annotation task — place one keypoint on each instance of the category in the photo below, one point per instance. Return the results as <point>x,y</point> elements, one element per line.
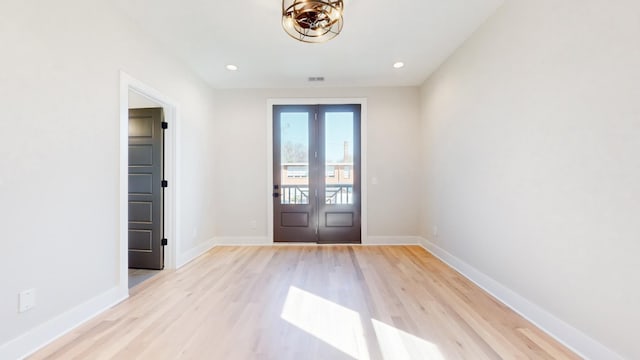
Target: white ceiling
<point>208,34</point>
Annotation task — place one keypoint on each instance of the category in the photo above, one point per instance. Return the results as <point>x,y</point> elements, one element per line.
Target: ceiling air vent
<point>316,78</point>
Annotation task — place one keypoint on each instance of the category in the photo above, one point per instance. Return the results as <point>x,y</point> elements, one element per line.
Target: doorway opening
<point>147,182</point>
<point>317,173</point>
<point>146,189</point>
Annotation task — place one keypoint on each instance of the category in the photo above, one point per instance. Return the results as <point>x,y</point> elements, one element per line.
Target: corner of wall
<point>564,333</point>
<point>195,252</point>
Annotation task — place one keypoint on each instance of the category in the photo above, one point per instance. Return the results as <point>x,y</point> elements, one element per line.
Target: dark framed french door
<point>316,173</point>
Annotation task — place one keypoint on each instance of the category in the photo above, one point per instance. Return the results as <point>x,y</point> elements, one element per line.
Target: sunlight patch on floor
<point>342,328</point>
<point>396,344</point>
<point>334,324</point>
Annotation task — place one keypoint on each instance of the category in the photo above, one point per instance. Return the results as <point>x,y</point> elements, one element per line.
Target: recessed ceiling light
<point>232,67</point>
<point>398,65</point>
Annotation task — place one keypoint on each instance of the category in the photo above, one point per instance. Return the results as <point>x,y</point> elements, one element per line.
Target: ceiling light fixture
<point>312,21</point>
<point>398,65</point>
<point>232,67</point>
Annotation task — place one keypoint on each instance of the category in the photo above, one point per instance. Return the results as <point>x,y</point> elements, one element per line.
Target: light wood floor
<point>308,302</point>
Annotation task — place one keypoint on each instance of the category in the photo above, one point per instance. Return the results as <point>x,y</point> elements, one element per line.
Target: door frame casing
<point>363,154</point>
<point>171,115</point>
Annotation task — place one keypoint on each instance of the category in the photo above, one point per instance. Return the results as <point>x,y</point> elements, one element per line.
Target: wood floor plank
<point>308,302</point>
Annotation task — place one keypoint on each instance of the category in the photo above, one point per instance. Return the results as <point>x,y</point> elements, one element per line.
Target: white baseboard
<point>191,254</point>
<point>38,337</point>
<point>566,334</point>
<point>392,240</point>
<point>571,337</point>
<point>242,240</point>
<point>264,240</point>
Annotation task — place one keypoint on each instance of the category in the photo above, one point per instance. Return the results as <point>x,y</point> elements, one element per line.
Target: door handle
<point>276,195</point>
<point>276,192</point>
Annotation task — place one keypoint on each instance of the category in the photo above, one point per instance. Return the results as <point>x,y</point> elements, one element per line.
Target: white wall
<point>532,160</point>
<point>240,142</point>
<point>137,101</point>
<point>59,153</point>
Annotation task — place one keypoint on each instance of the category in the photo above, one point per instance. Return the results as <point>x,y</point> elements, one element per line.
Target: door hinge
<point>165,125</point>
<point>164,183</point>
<point>164,242</point>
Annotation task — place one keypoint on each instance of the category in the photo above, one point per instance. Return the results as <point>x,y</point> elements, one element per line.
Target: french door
<point>316,173</point>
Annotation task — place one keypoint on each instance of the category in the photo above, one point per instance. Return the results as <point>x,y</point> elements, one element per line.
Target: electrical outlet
<point>253,224</point>
<point>27,300</point>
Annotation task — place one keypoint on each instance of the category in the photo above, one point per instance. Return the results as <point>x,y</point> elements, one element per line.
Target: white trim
<point>38,337</point>
<point>363,154</point>
<point>564,333</point>
<point>392,240</point>
<point>243,240</point>
<point>171,113</point>
<point>187,257</point>
<point>267,241</point>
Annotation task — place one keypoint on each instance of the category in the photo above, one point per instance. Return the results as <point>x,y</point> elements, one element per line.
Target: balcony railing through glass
<point>335,194</point>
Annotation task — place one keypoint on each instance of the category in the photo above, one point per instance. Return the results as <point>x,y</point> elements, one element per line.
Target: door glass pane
<point>338,157</point>
<point>294,158</point>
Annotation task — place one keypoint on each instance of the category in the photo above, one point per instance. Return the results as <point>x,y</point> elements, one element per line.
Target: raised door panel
<point>145,192</point>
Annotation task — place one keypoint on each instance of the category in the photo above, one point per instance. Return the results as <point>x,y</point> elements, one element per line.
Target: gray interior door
<point>145,188</point>
<point>316,169</point>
